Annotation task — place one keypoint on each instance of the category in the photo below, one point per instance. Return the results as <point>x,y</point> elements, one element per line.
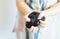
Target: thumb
<point>26,18</point>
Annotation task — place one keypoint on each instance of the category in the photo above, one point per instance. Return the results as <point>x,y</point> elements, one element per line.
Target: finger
<point>41,26</point>
<point>31,29</point>
<point>39,17</point>
<point>42,22</point>
<point>35,29</point>
<point>27,19</point>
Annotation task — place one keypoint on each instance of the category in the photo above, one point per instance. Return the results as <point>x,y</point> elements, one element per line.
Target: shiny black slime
<point>34,21</point>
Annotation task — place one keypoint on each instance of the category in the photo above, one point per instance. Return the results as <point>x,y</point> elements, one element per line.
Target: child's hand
<point>42,23</point>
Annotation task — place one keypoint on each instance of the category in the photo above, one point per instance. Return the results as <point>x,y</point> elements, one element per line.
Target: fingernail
<point>28,20</point>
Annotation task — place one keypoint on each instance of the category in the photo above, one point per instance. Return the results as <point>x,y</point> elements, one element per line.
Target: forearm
<point>53,10</point>
<point>23,8</point>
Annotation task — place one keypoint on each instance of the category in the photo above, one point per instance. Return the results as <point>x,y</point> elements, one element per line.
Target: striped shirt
<point>40,4</point>
<point>36,4</point>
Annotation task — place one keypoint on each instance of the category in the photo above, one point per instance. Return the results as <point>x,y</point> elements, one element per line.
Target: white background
<point>8,13</point>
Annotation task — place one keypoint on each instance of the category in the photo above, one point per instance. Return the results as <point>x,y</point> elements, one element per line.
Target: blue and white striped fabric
<point>36,34</point>
<point>32,3</point>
